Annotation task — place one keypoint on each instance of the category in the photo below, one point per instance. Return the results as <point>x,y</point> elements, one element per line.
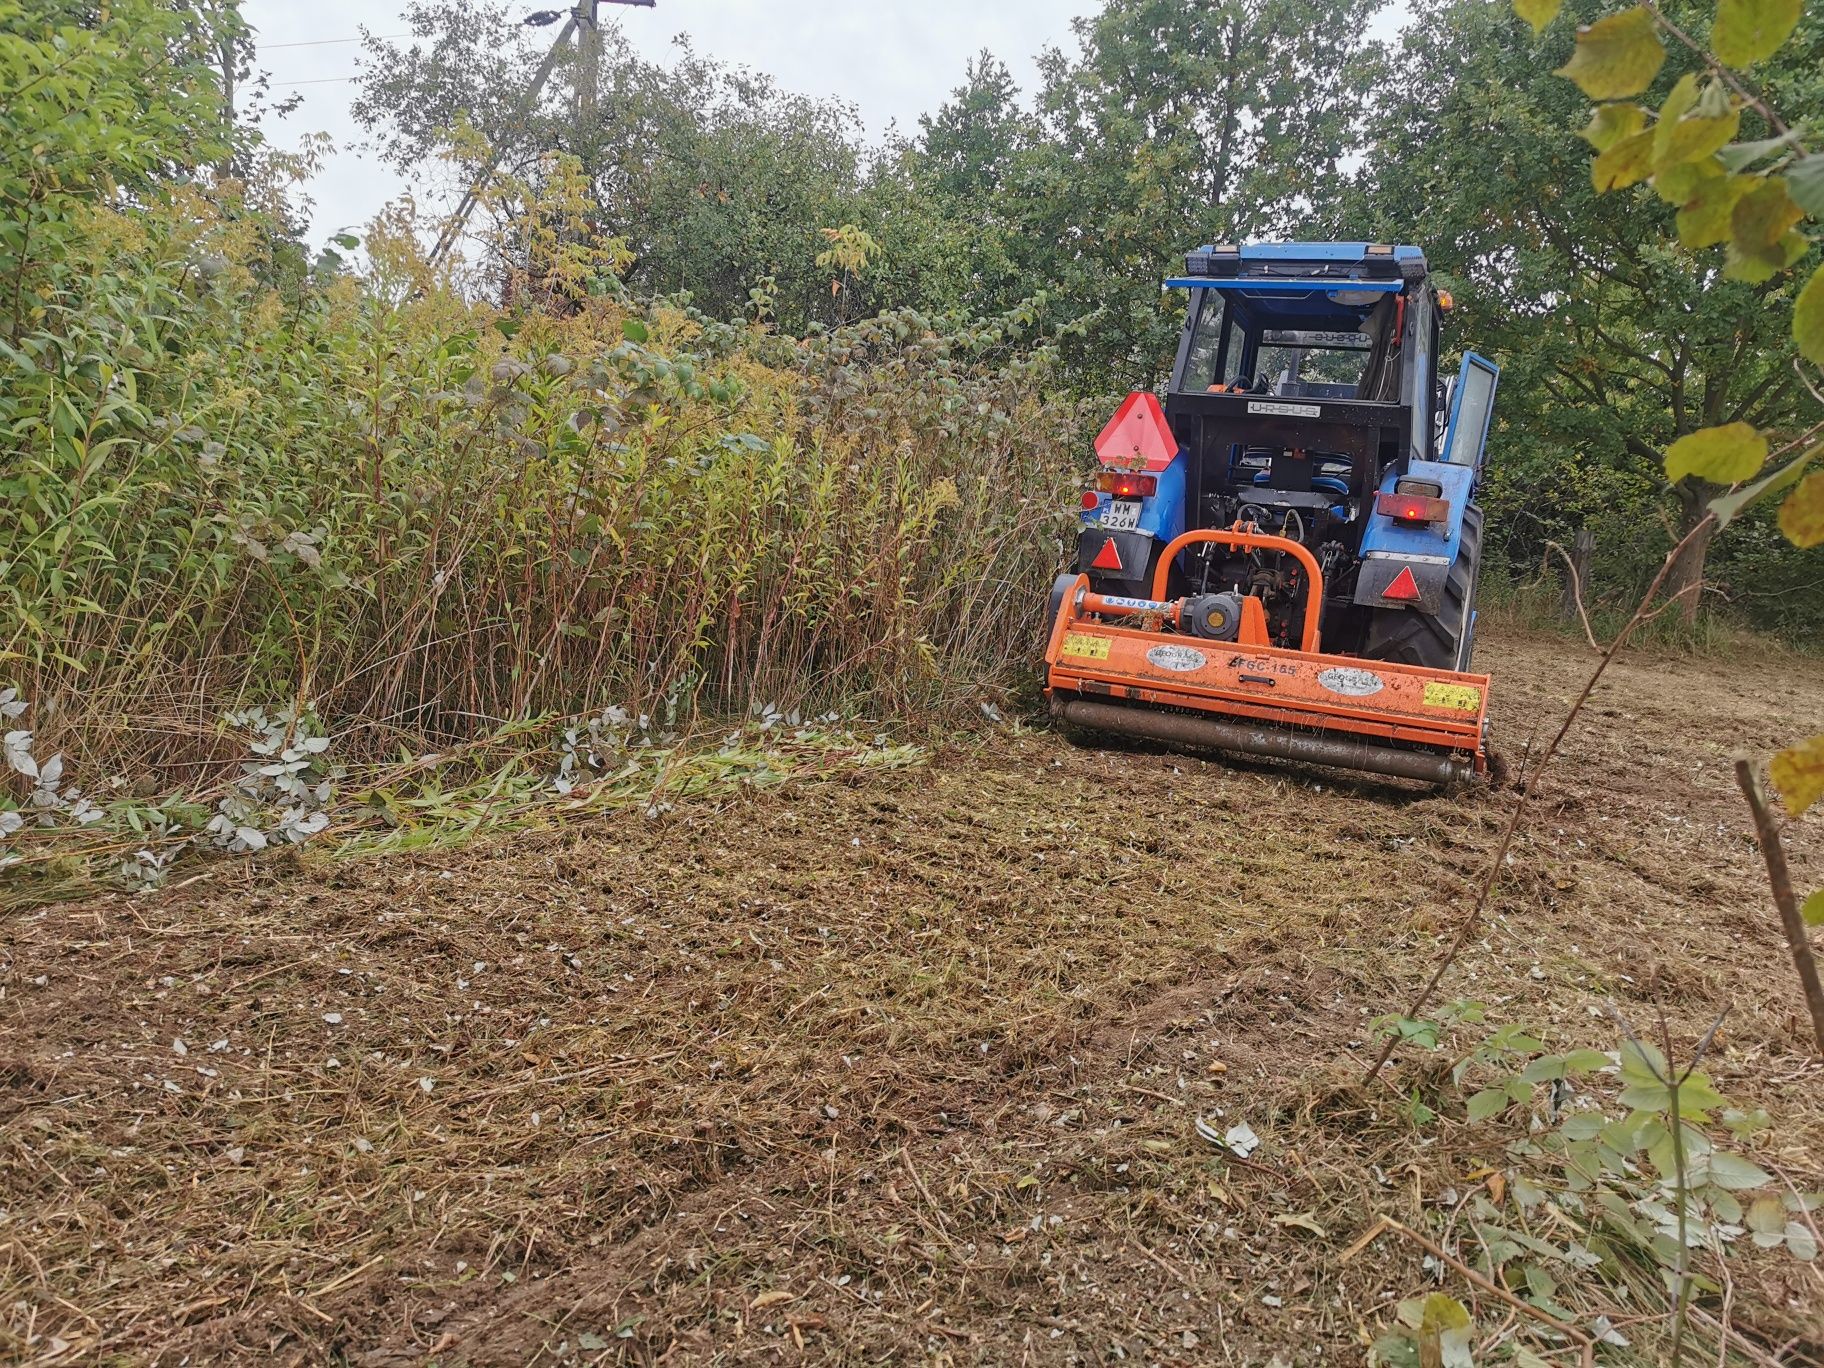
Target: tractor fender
<point>1427,550</point>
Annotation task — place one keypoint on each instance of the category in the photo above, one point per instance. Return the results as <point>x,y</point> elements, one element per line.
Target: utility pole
<point>583,22</point>
<point>588,61</point>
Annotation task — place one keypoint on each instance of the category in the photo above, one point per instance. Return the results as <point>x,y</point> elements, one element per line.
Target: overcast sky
<point>892,61</point>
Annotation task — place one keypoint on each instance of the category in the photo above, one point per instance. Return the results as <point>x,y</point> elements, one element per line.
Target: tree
<point>971,143</point>
<point>1617,341</point>
<point>1184,122</point>
<point>714,178</point>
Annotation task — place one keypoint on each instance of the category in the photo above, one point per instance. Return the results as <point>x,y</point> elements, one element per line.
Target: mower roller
<point>1281,558</point>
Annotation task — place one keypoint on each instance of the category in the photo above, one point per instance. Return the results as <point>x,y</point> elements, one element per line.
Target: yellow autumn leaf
<point>1627,163</point>
<point>1802,515</point>
<point>1616,57</point>
<point>1722,455</point>
<point>1538,13</point>
<point>1808,318</point>
<point>1798,773</point>
<point>1749,31</point>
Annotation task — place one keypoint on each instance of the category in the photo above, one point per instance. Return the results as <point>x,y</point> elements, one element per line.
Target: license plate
<point>1122,515</point>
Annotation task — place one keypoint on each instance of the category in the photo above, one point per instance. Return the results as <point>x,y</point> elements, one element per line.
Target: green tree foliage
<point>1182,123</point>
<point>98,104</point>
<point>1177,123</point>
<point>1579,273</point>
<point>714,178</point>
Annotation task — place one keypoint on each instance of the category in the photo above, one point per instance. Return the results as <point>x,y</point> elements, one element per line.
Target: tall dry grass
<point>427,517</point>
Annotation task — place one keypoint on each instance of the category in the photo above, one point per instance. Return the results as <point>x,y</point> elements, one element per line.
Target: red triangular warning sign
<point>1404,587</point>
<point>1138,434</point>
<point>1109,558</point>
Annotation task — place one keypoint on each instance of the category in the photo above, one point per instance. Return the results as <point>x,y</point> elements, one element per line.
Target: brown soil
<point>906,1068</point>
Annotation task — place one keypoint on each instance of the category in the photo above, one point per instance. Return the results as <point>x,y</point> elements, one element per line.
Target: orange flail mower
<point>1280,559</point>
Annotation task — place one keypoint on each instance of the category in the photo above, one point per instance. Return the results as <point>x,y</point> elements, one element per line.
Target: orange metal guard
<point>1247,540</point>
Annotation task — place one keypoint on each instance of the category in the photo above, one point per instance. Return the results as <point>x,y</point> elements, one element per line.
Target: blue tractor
<point>1281,558</point>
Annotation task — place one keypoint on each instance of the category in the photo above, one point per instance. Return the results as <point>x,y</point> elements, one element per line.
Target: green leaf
<point>1798,773</point>
<point>1704,221</point>
<point>1740,155</point>
<point>1538,13</point>
<point>346,241</point>
<point>1729,506</point>
<point>1813,910</point>
<point>1616,57</point>
<point>1800,1242</point>
<point>1737,1174</point>
<point>635,331</point>
<point>1802,515</point>
<point>1489,1102</point>
<point>1805,183</point>
<point>1611,123</point>
<point>1749,31</point>
<point>1722,455</point>
<point>1808,318</point>
<point>1678,185</point>
<point>1396,1349</point>
<point>1761,220</point>
<point>1627,163</point>
<point>1642,1063</point>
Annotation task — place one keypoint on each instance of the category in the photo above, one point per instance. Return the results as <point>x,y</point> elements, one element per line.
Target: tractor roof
<point>1317,252</point>
<point>1321,285</point>
<point>1371,265</point>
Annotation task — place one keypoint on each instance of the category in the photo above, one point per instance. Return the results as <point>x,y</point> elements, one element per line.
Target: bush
<point>428,515</point>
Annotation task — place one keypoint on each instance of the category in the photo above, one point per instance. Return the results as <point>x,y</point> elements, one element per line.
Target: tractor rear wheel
<point>1443,642</point>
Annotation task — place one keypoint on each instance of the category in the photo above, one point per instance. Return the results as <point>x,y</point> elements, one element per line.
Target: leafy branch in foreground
<point>1752,196</point>
<point>1617,1161</point>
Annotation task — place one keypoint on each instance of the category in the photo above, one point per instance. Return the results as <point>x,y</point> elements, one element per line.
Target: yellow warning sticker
<point>1462,697</point>
<point>1085,647</point>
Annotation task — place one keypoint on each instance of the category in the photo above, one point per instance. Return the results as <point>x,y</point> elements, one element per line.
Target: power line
<point>323,80</point>
<point>328,42</point>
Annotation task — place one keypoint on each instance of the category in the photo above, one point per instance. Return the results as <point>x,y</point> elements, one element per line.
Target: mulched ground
<point>902,1068</point>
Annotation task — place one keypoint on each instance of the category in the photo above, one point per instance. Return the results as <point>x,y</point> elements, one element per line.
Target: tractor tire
<point>1446,641</point>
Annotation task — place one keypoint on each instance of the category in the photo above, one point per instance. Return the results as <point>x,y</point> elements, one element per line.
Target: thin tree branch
<point>1792,920</point>
<point>1474,917</point>
<point>1576,593</point>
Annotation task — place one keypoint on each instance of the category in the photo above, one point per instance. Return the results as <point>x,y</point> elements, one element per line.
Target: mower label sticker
<point>1134,604</point>
<point>1285,410</point>
<point>1085,647</point>
<point>1178,659</point>
<point>1462,697</point>
<point>1351,682</point>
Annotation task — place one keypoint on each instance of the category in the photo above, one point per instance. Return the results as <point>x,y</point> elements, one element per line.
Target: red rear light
<point>1413,508</point>
<point>1128,486</point>
<point>1090,499</point>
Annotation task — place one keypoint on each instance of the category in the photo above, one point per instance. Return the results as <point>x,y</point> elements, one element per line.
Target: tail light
<point>1127,486</point>
<point>1414,501</point>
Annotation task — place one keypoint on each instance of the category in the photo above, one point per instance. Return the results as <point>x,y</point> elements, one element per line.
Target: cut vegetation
<point>907,1066</point>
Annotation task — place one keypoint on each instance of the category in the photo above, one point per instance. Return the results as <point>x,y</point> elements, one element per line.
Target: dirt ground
<point>902,1069</point>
